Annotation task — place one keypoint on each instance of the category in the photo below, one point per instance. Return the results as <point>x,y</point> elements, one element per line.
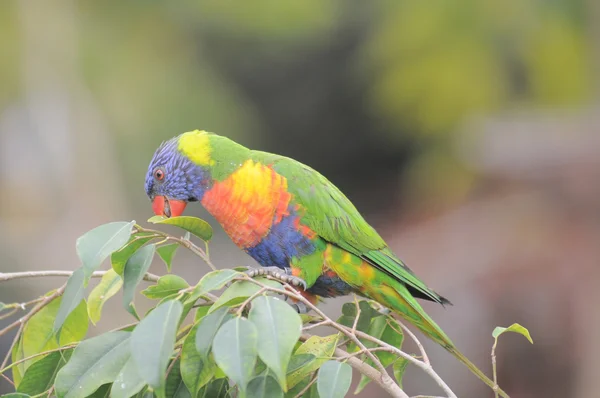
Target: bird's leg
<point>283,274</point>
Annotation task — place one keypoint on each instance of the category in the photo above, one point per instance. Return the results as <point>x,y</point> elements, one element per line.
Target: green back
<point>335,219</point>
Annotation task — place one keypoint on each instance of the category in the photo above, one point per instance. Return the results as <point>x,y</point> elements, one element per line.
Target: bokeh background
<point>466,131</point>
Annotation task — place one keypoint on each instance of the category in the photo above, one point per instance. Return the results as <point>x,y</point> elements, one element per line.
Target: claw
<point>285,275</point>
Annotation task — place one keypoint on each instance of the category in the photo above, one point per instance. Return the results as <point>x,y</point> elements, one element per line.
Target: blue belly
<point>282,243</point>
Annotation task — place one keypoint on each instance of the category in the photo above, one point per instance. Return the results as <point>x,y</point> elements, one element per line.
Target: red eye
<point>159,174</point>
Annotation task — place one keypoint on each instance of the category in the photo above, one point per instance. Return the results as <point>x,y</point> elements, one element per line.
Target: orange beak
<point>163,206</point>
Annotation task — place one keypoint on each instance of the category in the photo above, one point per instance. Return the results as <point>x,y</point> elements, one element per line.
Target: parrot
<point>292,221</point>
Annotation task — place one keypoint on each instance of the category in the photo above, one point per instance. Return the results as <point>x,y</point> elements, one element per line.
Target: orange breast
<point>248,203</point>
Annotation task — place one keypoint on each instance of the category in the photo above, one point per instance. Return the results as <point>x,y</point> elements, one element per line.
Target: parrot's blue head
<point>173,180</point>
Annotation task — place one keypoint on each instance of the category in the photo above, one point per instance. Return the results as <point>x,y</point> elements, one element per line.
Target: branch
<point>7,276</point>
<point>364,368</point>
<point>354,334</point>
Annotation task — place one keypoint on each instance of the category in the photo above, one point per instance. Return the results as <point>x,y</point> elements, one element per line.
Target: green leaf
<point>280,328</point>
<point>128,382</point>
<point>235,350</point>
<point>399,369</point>
<point>38,333</point>
<point>15,395</point>
<point>264,387</point>
<point>153,340</point>
<point>515,328</point>
<point>109,286</point>
<point>321,347</point>
<point>94,362</point>
<point>39,377</point>
<point>71,298</point>
<point>166,253</point>
<point>367,314</point>
<point>99,243</point>
<point>201,312</point>
<point>215,389</point>
<point>196,226</point>
<point>334,379</point>
<point>175,387</point>
<point>102,392</point>
<point>393,335</point>
<point>196,371</point>
<point>119,258</point>
<point>298,361</point>
<point>166,286</point>
<point>213,281</point>
<point>208,328</point>
<point>2,306</point>
<point>240,291</point>
<point>135,269</point>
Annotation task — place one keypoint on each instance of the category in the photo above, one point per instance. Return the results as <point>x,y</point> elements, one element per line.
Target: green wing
<point>331,215</point>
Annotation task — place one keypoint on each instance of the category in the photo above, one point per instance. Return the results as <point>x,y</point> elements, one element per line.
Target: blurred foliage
<point>415,71</point>
<point>439,62</point>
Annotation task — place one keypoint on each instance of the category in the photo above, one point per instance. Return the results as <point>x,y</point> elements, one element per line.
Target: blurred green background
<point>466,131</point>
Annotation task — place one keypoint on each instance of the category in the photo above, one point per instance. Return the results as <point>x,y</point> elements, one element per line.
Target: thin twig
<point>495,375</point>
<point>414,338</point>
<point>355,323</point>
<point>35,274</point>
<point>12,365</point>
<point>248,300</point>
<point>34,310</point>
<point>12,345</point>
<point>172,364</point>
<point>315,325</point>
<point>183,242</point>
<point>308,386</point>
<point>5,377</point>
<point>9,314</point>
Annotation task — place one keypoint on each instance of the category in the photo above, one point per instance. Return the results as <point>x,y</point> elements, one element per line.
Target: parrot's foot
<point>284,275</point>
<point>300,307</point>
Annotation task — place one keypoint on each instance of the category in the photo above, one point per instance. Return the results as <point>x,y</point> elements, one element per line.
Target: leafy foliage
<point>248,342</point>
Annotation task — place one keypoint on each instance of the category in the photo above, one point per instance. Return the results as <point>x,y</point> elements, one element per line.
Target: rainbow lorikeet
<point>293,221</point>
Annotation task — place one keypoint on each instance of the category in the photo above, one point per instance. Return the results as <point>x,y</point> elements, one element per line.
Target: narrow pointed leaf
<point>153,340</point>
<point>194,225</point>
<point>166,253</point>
<point>39,377</point>
<point>515,328</point>
<point>128,382</point>
<point>235,350</point>
<point>280,327</point>
<point>99,243</point>
<point>334,379</point>
<point>109,286</point>
<point>213,281</point>
<point>196,371</point>
<point>208,328</point>
<point>135,269</point>
<point>321,347</point>
<point>166,286</point>
<point>119,258</point>
<point>71,297</point>
<point>264,387</point>
<point>94,362</point>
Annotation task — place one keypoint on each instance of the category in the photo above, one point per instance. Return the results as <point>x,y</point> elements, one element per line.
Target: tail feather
<point>400,301</point>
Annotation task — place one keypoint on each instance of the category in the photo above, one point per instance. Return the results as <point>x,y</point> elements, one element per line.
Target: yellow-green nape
<point>195,145</point>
